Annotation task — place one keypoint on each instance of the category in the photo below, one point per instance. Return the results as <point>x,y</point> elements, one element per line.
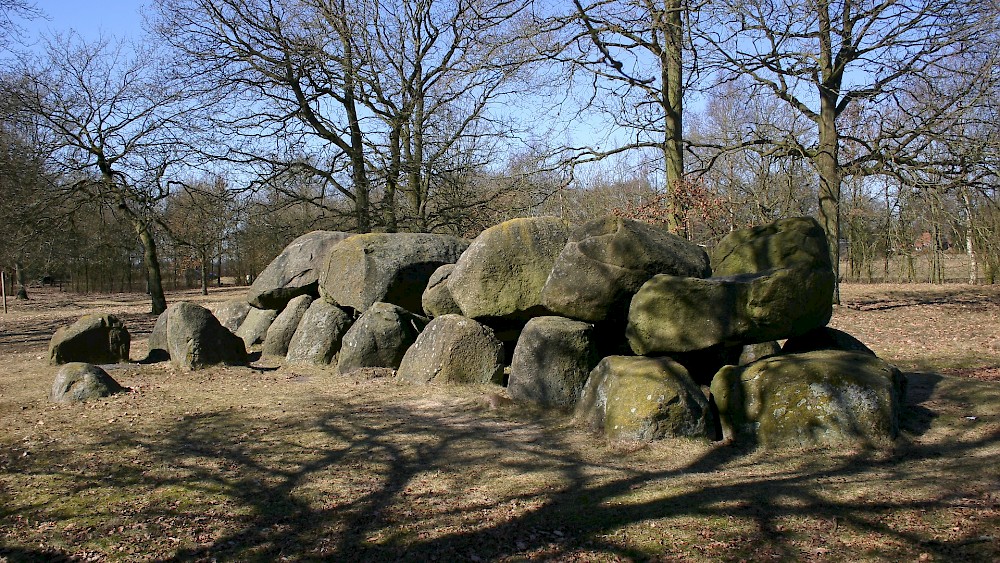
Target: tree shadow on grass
<point>415,479</point>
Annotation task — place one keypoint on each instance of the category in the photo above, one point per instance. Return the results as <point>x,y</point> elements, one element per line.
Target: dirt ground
<point>270,463</point>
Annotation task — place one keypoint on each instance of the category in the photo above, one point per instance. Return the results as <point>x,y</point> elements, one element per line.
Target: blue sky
<point>121,18</point>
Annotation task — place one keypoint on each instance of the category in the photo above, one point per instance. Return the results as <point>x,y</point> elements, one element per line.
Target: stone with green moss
<point>787,243</point>
<point>607,260</point>
<point>643,399</point>
<point>822,398</point>
<point>501,276</point>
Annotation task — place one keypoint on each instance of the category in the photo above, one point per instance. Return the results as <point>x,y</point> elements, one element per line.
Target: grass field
<point>269,463</point>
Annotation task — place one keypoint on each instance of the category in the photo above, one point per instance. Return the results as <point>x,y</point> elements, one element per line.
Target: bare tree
<point>199,216</point>
<point>633,54</point>
<point>112,123</point>
<point>823,57</point>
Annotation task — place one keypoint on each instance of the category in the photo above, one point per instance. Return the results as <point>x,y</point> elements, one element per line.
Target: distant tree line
<point>195,153</point>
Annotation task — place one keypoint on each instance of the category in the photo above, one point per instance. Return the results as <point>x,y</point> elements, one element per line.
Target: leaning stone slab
<point>195,339</point>
<point>254,327</point>
<point>317,338</point>
<point>607,260</point>
<point>823,398</point>
<point>387,268</point>
<point>77,381</point>
<point>453,349</point>
<point>643,399</point>
<point>502,274</point>
<point>280,333</point>
<point>379,338</point>
<point>232,313</point>
<point>552,360</point>
<point>674,314</point>
<point>295,271</point>
<point>96,339</point>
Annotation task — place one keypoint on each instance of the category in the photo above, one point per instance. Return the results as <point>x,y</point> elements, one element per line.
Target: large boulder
<point>158,340</point>
<point>674,314</point>
<point>317,339</point>
<point>453,349</point>
<point>774,282</point>
<point>823,398</point>
<point>825,338</point>
<point>643,399</point>
<point>379,338</point>
<point>295,271</point>
<point>79,381</point>
<point>552,359</point>
<point>254,328</point>
<point>501,275</point>
<point>232,313</point>
<point>96,339</point>
<point>437,299</point>
<point>195,339</point>
<point>797,242</point>
<point>386,267</point>
<point>280,333</point>
<point>607,260</point>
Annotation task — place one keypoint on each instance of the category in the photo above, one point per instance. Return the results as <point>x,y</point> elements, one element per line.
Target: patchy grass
<point>273,463</point>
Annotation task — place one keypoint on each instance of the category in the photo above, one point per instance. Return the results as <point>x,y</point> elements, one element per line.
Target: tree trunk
<point>672,101</point>
<point>828,167</point>
<point>970,235</point>
<point>206,265</point>
<point>154,281</point>
<point>19,276</point>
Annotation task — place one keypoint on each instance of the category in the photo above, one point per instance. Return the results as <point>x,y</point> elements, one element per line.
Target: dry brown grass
<point>272,463</point>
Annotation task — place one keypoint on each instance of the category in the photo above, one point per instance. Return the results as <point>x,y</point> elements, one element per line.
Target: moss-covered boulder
<point>453,349</point>
<point>437,300</point>
<point>280,333</point>
<point>379,338</point>
<point>643,399</point>
<point>386,268</point>
<point>552,360</point>
<point>607,260</point>
<point>95,339</point>
<point>501,275</point>
<point>78,381</point>
<point>823,398</point>
<point>674,314</point>
<point>295,271</point>
<point>788,243</point>
<point>318,337</point>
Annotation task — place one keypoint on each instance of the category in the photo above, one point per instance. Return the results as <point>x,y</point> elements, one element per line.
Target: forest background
<point>192,152</point>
